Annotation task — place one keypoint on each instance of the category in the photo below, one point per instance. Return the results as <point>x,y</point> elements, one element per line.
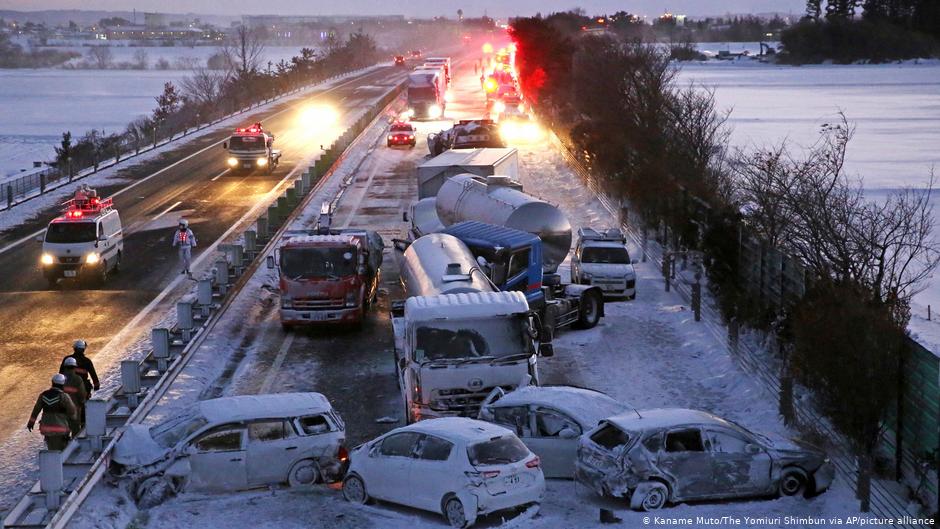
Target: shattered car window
<point>314,425</point>
<point>654,443</point>
<point>170,432</point>
<point>551,423</point>
<point>610,437</point>
<point>727,443</point>
<point>268,431</point>
<point>516,418</point>
<point>223,439</point>
<point>498,451</point>
<point>684,441</point>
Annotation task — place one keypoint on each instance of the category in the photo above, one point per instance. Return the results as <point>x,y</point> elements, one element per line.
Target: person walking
<point>185,240</point>
<point>74,387</point>
<point>57,410</point>
<point>84,367</point>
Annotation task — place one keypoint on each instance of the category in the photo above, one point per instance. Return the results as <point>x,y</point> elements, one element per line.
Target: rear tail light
<point>342,454</point>
<point>535,462</point>
<point>490,474</point>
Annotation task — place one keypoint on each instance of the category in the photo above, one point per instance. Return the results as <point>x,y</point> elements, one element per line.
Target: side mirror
<point>546,350</point>
<point>39,238</point>
<point>270,261</point>
<point>634,261</point>
<point>103,238</point>
<point>404,216</point>
<point>752,449</point>
<point>225,145</point>
<point>567,433</point>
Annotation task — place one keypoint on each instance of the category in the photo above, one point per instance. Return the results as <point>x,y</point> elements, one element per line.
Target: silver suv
<point>601,259</point>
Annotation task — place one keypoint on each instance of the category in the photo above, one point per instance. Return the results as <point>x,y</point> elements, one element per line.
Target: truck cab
<point>601,259</point>
<point>251,148</point>
<point>85,242</point>
<point>328,278</point>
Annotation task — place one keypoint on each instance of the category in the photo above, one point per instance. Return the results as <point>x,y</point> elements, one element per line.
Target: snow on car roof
<point>248,407</point>
<point>586,406</point>
<point>663,418</point>
<point>466,305</point>
<point>458,429</point>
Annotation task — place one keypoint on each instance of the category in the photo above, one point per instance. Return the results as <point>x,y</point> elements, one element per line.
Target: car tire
<point>454,512</point>
<point>792,482</point>
<point>304,473</point>
<point>589,313</point>
<point>653,496</point>
<point>354,490</point>
<point>152,492</point>
<point>103,275</point>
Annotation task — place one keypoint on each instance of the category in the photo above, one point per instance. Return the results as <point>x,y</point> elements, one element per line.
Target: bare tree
<point>141,60</point>
<point>244,49</point>
<point>100,57</point>
<point>763,179</point>
<point>204,85</point>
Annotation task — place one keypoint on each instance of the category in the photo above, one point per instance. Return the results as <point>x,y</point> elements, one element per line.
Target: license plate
<point>69,273</point>
<point>512,480</point>
<point>316,316</point>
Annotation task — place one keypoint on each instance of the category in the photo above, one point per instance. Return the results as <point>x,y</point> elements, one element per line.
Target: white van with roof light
<point>86,242</point>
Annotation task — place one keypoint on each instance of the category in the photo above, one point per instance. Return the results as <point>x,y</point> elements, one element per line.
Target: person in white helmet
<point>75,388</point>
<point>57,411</point>
<point>84,367</point>
<point>185,240</point>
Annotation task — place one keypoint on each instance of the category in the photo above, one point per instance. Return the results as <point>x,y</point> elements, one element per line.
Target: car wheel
<point>354,489</point>
<point>454,513</point>
<point>792,482</point>
<point>152,492</point>
<point>651,496</point>
<point>303,473</point>
<point>590,312</point>
<point>103,276</point>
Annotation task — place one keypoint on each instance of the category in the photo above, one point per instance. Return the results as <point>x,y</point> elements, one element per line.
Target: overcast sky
<point>418,8</point>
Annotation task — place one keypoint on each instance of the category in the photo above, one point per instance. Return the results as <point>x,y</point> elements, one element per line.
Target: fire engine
<point>252,148</point>
<point>87,241</point>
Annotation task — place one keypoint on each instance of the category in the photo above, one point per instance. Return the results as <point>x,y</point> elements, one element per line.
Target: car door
<point>685,459</point>
<point>515,418</point>
<point>432,473</point>
<point>740,466</point>
<point>272,448</point>
<point>554,439</point>
<point>217,458</point>
<point>390,466</point>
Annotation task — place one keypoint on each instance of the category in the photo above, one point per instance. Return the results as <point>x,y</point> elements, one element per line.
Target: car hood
<point>608,269</point>
<point>136,447</point>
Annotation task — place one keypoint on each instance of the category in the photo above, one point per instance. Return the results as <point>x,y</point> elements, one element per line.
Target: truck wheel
<point>590,312</point>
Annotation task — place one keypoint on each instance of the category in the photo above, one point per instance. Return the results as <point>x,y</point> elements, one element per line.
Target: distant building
<point>156,33</point>
<point>155,20</point>
<point>280,21</point>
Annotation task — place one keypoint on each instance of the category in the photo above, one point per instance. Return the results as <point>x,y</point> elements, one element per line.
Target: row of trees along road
<point>209,94</point>
<point>664,148</point>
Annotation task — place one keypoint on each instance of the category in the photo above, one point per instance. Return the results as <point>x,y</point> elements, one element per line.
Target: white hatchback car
<point>233,443</point>
<point>456,466</point>
<point>550,419</point>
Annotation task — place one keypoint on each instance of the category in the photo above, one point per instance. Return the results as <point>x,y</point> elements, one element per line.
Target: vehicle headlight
<point>351,300</point>
<point>499,106</point>
<point>389,137</point>
<point>262,162</point>
<point>92,258</point>
<point>47,259</point>
<point>435,111</point>
<point>232,162</point>
<point>520,107</point>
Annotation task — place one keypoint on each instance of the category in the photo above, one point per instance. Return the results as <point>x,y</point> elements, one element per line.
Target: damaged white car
<point>550,419</point>
<point>233,443</point>
<point>655,457</point>
<point>459,467</point>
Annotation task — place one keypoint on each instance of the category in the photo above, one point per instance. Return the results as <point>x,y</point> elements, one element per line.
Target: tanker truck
<point>496,202</point>
<point>457,337</point>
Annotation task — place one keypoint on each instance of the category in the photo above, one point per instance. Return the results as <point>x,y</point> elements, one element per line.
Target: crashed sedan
<point>233,443</point>
<point>661,456</point>
<point>549,420</point>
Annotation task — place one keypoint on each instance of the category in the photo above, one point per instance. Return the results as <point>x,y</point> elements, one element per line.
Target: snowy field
<point>38,105</point>
<point>648,353</point>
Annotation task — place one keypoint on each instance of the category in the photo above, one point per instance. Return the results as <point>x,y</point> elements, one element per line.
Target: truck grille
<point>461,401</point>
<point>69,260</point>
<point>318,303</point>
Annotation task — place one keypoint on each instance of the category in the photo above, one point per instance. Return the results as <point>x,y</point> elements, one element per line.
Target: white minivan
<point>85,242</point>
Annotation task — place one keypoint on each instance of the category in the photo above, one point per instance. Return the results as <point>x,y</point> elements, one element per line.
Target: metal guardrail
<point>67,477</point>
<point>884,504</point>
<point>16,190</point>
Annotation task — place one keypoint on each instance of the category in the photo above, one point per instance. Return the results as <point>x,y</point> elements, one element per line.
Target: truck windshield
<point>421,93</point>
<point>67,232</point>
<point>246,143</point>
<point>469,339</point>
<point>605,255</point>
<point>299,263</point>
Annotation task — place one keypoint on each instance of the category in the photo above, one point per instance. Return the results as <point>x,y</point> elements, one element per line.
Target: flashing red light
<point>535,462</point>
<point>74,214</point>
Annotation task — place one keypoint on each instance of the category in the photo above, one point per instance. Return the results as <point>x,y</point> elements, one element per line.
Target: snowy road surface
<point>40,324</point>
<point>648,353</point>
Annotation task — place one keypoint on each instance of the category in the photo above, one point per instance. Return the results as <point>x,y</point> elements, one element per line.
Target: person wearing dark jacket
<point>84,368</point>
<point>75,388</point>
<point>57,411</point>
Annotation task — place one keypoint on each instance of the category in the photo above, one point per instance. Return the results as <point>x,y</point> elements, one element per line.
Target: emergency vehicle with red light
<point>85,242</point>
<point>401,133</point>
<point>252,148</point>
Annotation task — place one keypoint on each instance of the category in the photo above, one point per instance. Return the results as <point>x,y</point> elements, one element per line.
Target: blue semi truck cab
<point>512,259</point>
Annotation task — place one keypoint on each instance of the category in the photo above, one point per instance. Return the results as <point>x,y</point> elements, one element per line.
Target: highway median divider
<point>67,477</point>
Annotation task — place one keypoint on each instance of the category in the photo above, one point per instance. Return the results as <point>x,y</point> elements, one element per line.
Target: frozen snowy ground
<point>648,353</point>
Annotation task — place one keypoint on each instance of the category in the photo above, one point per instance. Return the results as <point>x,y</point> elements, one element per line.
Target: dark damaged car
<point>655,457</point>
